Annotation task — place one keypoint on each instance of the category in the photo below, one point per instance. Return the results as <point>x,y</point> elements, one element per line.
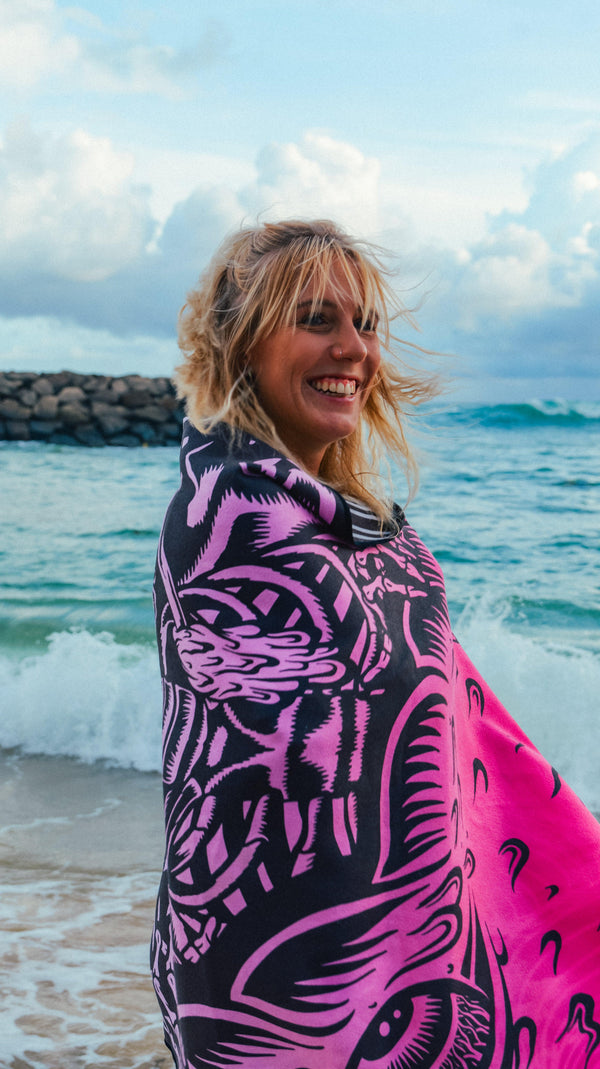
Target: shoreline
<point>81,852</point>
<point>70,408</point>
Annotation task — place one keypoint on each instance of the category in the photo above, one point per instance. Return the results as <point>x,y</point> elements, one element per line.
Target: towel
<point>368,864</point>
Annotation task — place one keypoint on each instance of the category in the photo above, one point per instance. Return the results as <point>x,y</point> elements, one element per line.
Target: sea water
<point>509,502</point>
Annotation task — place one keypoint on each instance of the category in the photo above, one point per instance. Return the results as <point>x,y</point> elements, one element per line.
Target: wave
<point>533,413</point>
<point>84,696</point>
<point>90,697</point>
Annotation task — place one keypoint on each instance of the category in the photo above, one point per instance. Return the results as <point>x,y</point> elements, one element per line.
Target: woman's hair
<point>250,290</point>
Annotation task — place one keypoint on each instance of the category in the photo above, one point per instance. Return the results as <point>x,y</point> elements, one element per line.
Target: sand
<point>80,854</point>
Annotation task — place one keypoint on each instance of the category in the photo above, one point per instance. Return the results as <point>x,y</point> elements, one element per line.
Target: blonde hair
<point>250,290</point>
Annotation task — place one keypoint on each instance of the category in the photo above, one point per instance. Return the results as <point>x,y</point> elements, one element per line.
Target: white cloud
<point>41,41</point>
<point>33,43</point>
<point>172,174</point>
<point>75,244</point>
<point>526,297</point>
<point>318,177</point>
<point>584,182</point>
<point>75,233</point>
<point>516,271</point>
<point>67,206</point>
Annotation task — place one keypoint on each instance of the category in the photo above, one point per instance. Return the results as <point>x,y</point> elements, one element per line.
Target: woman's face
<point>313,378</point>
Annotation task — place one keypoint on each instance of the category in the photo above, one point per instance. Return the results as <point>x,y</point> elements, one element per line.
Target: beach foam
<point>84,696</point>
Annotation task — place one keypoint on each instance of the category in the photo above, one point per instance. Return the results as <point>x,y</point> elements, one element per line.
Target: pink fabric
<point>536,880</point>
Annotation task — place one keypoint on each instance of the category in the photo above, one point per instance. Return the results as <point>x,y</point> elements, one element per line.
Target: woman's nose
<point>349,345</point>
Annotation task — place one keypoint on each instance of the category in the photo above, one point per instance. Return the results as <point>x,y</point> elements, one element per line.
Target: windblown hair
<point>250,290</point>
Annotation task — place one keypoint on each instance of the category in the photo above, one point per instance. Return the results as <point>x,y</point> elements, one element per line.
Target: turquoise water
<point>509,502</point>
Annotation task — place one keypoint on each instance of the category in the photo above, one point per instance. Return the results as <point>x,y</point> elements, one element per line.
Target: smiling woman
<point>314,377</point>
<point>282,313</point>
<point>368,865</point>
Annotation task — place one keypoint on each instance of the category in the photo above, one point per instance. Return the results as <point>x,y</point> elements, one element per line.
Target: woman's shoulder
<point>228,463</point>
<point>225,464</point>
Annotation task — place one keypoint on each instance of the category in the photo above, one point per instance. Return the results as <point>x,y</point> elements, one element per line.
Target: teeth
<point>346,387</point>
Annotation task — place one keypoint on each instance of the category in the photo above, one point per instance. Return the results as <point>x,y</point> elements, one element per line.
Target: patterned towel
<point>368,864</point>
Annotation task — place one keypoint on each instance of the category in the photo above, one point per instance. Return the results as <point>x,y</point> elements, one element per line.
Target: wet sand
<point>80,854</point>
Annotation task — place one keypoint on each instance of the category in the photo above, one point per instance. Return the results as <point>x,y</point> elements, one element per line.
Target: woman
<point>366,862</point>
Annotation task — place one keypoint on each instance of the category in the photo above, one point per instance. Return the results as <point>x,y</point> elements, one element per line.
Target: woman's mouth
<point>345,387</point>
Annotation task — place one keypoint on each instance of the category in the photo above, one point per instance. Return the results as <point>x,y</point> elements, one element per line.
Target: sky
<point>462,135</point>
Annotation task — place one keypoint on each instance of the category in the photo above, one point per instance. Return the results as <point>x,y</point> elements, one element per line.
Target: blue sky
<point>463,136</point>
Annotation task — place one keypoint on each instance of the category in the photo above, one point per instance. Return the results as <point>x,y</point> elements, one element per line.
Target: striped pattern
<point>366,526</point>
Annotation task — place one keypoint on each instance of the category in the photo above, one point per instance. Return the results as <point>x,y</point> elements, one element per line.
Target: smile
<point>347,387</point>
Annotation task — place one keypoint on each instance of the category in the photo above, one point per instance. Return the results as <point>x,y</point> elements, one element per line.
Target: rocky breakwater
<point>68,408</point>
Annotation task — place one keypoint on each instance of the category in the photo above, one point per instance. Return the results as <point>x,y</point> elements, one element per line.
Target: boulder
<point>103,395</point>
<point>42,386</point>
<point>60,379</point>
<point>46,407</point>
<point>89,409</point>
<point>145,432</point>
<point>139,382</point>
<point>18,430</point>
<point>73,415</point>
<point>111,423</point>
<point>43,428</point>
<point>71,393</point>
<point>7,388</point>
<point>13,409</point>
<point>152,414</point>
<point>136,398</point>
<point>89,436</point>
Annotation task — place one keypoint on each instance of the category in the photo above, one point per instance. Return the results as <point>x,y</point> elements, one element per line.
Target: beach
<point>508,503</point>
<point>80,853</point>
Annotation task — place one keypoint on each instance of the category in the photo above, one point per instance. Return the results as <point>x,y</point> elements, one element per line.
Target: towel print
<point>368,864</point>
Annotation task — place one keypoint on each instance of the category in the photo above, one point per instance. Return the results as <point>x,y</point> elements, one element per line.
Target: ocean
<point>509,502</point>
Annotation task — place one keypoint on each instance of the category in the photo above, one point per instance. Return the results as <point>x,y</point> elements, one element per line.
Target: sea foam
<point>85,696</point>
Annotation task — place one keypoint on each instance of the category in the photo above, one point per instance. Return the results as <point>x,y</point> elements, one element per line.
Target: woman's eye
<point>366,326</point>
<point>313,319</point>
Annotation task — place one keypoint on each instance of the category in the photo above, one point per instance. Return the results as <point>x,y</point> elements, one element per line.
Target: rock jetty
<point>69,408</point>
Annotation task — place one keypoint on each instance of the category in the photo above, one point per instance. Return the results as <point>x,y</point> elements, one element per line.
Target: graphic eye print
<point>426,1026</point>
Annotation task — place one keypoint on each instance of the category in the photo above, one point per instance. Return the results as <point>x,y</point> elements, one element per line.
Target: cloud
<point>33,44</point>
<point>319,176</point>
<point>112,65</point>
<point>68,210</point>
<point>78,243</point>
<point>76,236</point>
<point>40,343</point>
<point>524,299</point>
<point>72,47</point>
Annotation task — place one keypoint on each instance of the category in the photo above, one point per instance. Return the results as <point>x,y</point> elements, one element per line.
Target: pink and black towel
<point>368,864</point>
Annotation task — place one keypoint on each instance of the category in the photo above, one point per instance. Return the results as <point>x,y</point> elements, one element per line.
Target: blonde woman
<point>359,871</point>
